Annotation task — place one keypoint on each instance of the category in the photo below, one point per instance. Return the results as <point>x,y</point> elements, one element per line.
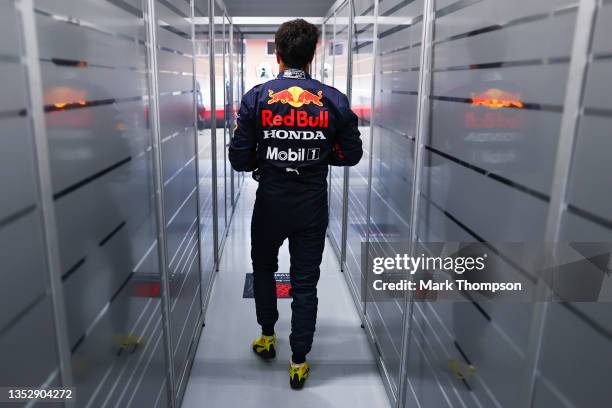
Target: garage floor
<point>226,373</point>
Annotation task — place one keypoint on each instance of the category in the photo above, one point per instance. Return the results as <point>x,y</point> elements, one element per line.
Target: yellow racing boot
<point>264,347</point>
<point>298,373</point>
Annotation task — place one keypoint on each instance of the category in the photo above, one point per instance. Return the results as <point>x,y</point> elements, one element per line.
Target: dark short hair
<point>296,41</point>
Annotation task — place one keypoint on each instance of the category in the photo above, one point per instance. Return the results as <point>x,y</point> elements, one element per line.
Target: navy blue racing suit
<point>288,131</point>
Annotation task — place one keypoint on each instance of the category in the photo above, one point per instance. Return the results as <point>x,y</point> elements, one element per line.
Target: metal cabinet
<point>487,124</point>
<point>28,336</point>
<point>109,235</point>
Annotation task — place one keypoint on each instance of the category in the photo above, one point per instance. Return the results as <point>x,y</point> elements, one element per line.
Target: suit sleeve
<point>243,146</point>
<point>347,146</point>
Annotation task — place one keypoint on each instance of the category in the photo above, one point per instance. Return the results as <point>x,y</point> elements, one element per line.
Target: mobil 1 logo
<point>293,155</point>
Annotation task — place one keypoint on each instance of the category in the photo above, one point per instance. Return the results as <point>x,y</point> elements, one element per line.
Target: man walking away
<point>288,131</point>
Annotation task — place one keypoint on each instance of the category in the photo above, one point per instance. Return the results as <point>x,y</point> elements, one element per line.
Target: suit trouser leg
<point>306,250</point>
<point>266,239</point>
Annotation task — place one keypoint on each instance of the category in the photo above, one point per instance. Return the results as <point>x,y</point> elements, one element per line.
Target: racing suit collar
<point>293,73</point>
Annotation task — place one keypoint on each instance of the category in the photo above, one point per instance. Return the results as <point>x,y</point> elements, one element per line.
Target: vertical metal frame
<point>572,113</point>
<point>331,169</point>
<point>570,121</point>
<point>226,98</point>
<point>213,129</point>
<point>220,243</point>
<point>162,251</point>
<point>322,68</point>
<point>423,122</point>
<point>231,69</point>
<point>362,308</point>
<point>197,148</point>
<point>223,16</point>
<point>371,145</point>
<point>349,94</point>
<point>333,45</point>
<point>44,193</point>
<point>242,90</point>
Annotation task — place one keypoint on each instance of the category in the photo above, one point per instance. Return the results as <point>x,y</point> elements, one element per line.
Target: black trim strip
<point>10,58</point>
<point>85,64</point>
<point>202,14</point>
<point>342,30</point>
<point>398,28</point>
<point>63,62</point>
<point>73,268</point>
<point>78,343</point>
<point>362,44</point>
<point>73,21</point>
<point>111,234</point>
<point>127,7</point>
<point>123,285</point>
<point>467,385</point>
<point>506,64</point>
<point>172,7</point>
<point>480,309</point>
<point>14,113</point>
<point>463,355</point>
<point>365,28</point>
<point>17,215</point>
<point>176,93</point>
<point>511,23</point>
<point>76,22</point>
<point>602,112</point>
<point>400,49</point>
<point>88,26</point>
<point>585,318</point>
<point>602,56</point>
<point>487,173</point>
<point>394,71</point>
<point>397,91</point>
<point>113,297</point>
<point>89,179</point>
<point>88,104</point>
<point>175,30</point>
<point>366,11</point>
<point>451,8</point>
<point>526,105</point>
<point>480,239</point>
<point>596,219</point>
<point>173,51</point>
<point>11,323</point>
<point>78,105</point>
<point>494,27</point>
<point>477,305</point>
<point>398,6</point>
<point>589,321</point>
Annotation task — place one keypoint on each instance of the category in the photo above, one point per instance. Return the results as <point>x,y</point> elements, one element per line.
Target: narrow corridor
<point>226,373</point>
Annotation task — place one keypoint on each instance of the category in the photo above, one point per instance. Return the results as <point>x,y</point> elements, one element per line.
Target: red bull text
<point>295,118</point>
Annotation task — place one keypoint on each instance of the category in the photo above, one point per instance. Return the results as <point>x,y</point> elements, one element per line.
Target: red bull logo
<point>299,118</point>
<point>295,96</point>
<point>496,99</point>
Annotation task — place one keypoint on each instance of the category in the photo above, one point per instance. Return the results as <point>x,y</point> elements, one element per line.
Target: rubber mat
<point>283,286</point>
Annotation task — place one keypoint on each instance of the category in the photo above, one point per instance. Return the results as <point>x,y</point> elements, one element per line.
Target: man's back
<point>298,126</point>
